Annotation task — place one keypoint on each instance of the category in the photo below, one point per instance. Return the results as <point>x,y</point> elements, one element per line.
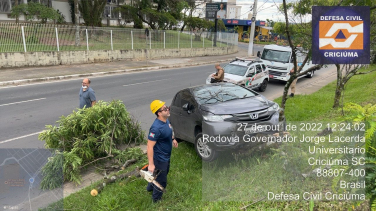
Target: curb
<point>52,78</point>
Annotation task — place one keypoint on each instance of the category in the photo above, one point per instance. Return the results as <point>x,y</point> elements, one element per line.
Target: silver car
<point>222,116</point>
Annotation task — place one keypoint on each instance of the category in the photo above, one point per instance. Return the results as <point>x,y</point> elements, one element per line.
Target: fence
<point>27,37</point>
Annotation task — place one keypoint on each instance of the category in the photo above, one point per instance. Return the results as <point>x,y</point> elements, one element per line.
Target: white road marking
<point>147,82</point>
<point>22,101</point>
<point>13,139</point>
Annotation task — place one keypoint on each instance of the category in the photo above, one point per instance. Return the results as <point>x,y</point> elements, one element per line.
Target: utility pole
<point>253,25</point>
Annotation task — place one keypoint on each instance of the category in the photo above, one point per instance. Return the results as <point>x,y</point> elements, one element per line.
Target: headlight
<point>284,74</point>
<point>274,107</point>
<point>215,118</point>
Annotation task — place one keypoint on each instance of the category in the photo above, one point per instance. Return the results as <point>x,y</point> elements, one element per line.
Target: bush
<point>90,134</point>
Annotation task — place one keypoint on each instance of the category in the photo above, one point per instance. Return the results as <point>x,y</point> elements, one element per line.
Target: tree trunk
<point>16,4</point>
<point>113,179</point>
<point>339,87</point>
<point>77,18</point>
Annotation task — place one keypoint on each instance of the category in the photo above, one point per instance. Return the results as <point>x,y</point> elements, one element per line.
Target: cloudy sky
<point>266,9</point>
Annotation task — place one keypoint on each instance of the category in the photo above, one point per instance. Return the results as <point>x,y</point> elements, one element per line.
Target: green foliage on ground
<point>86,135</point>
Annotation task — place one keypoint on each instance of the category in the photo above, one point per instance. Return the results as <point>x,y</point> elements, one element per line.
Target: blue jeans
<point>161,179</point>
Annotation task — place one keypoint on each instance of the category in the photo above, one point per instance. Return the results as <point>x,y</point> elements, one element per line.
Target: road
<point>244,46</point>
<point>26,109</point>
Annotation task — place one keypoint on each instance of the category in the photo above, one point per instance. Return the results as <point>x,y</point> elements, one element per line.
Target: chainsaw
<point>150,177</point>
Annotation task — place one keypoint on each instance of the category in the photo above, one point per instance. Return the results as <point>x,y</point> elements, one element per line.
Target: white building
<point>233,11</point>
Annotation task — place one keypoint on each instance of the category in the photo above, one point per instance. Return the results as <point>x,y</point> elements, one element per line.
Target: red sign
<point>262,23</point>
<point>228,21</point>
<point>235,21</point>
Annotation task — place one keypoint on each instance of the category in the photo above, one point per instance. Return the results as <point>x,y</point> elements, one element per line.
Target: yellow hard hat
<point>155,105</point>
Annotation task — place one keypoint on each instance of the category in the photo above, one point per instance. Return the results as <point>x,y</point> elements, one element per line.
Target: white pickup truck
<point>246,72</point>
<point>278,60</point>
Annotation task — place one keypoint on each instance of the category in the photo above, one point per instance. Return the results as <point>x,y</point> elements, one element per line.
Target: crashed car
<point>249,73</point>
<point>204,113</point>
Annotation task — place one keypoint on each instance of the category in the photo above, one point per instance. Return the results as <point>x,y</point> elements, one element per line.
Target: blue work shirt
<point>86,97</point>
<point>161,133</point>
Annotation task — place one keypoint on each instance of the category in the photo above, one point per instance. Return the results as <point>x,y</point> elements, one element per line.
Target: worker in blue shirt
<point>159,146</point>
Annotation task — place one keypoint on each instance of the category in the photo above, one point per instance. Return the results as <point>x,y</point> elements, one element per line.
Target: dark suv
<point>212,116</point>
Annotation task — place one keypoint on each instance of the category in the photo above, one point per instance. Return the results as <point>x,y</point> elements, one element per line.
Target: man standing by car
<point>219,76</point>
<point>159,147</point>
<point>87,94</point>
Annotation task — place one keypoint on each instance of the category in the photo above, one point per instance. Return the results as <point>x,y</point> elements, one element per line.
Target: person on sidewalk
<point>293,83</point>
<point>219,75</point>
<point>87,94</point>
<point>159,147</point>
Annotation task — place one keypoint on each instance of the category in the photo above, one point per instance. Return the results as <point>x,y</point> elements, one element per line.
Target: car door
<point>189,116</point>
<point>259,77</point>
<point>249,76</point>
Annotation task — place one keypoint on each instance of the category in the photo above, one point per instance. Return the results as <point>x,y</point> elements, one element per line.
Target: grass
<point>238,180</point>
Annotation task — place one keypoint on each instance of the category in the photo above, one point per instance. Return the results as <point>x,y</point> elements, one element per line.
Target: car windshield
<point>220,93</point>
<point>235,69</point>
<point>277,56</point>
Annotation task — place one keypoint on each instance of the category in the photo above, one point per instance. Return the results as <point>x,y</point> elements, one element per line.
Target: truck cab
<point>278,60</point>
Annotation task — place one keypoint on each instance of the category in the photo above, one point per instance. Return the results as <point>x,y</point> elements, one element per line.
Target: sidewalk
<point>16,76</point>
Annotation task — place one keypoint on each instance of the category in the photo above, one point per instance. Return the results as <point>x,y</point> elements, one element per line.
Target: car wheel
<point>310,74</point>
<point>204,150</point>
<point>263,85</point>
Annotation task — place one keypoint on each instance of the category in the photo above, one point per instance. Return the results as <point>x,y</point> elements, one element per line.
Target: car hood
<point>255,103</point>
<point>229,78</point>
<point>233,78</point>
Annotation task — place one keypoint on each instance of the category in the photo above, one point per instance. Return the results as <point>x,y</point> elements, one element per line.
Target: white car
<point>245,72</point>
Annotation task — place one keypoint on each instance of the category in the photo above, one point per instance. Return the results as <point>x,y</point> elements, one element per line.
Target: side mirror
<point>185,107</point>
<point>188,108</point>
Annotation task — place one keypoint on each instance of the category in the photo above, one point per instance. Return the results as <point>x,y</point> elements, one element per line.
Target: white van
<point>246,72</point>
<point>278,60</point>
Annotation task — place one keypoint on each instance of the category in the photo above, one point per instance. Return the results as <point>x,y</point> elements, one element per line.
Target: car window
<point>263,67</point>
<point>274,55</point>
<point>251,70</point>
<point>220,93</point>
<point>258,68</point>
<point>235,69</point>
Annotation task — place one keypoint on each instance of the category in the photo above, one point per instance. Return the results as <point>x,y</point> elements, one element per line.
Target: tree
<point>301,31</point>
<point>37,11</point>
<point>161,15</point>
<point>92,11</point>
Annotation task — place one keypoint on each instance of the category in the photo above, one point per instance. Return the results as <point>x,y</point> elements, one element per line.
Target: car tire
<point>204,150</point>
<point>310,74</point>
<point>263,85</point>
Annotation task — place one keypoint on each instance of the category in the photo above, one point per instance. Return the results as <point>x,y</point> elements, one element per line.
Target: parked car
<point>201,113</point>
<point>246,72</point>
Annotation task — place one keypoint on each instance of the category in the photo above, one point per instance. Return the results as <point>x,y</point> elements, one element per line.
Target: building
<point>233,11</point>
<point>64,8</point>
